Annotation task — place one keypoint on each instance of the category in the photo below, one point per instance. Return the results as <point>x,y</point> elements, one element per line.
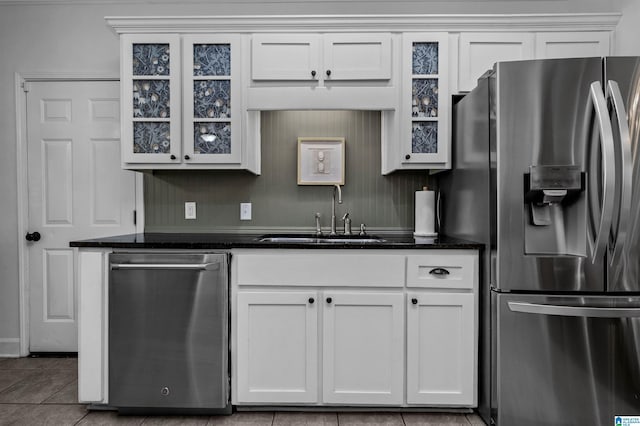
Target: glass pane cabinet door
<point>150,99</point>
<point>426,99</point>
<point>212,113</point>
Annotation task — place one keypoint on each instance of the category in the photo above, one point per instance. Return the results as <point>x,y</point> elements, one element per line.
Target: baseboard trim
<point>10,347</point>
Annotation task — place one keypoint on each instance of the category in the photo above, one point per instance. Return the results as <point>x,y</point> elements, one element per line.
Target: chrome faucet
<point>333,207</point>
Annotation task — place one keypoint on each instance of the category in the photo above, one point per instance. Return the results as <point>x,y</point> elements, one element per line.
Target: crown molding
<point>375,23</point>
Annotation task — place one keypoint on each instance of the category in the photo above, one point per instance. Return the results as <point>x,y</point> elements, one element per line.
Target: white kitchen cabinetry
<point>441,356</point>
<point>182,102</point>
<point>578,44</point>
<point>363,336</point>
<point>321,58</point>
<point>277,349</point>
<point>424,109</point>
<point>352,304</point>
<point>479,51</point>
<point>150,99</point>
<point>442,329</point>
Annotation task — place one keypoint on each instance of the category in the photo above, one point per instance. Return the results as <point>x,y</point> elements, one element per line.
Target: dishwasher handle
<point>167,266</point>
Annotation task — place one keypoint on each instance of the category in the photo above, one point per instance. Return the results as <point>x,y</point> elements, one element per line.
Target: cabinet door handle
<point>311,300</point>
<point>313,73</point>
<point>329,300</point>
<point>407,157</point>
<point>414,301</point>
<point>328,73</point>
<point>173,157</point>
<point>186,157</point>
<point>439,271</point>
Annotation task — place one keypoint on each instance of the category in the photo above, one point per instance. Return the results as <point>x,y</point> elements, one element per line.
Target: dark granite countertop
<point>199,241</point>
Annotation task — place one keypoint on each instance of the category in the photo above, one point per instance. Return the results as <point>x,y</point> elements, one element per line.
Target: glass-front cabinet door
<point>212,99</point>
<point>425,100</point>
<point>150,93</point>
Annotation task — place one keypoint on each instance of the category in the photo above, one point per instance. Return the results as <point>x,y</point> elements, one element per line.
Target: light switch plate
<point>190,210</point>
<point>245,211</point>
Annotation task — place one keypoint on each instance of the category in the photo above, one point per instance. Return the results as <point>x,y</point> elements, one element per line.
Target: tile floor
<point>43,391</point>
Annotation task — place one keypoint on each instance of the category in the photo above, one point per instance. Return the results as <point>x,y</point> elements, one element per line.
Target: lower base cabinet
<point>277,355</point>
<point>336,339</point>
<point>362,347</point>
<point>440,349</point>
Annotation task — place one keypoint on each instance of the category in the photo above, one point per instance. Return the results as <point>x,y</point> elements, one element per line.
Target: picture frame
<point>321,160</point>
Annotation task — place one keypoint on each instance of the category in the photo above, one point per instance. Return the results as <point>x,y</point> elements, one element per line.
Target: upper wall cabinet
<point>150,84</point>
<point>416,135</point>
<point>182,102</point>
<point>211,123</point>
<point>479,51</point>
<point>320,58</point>
<point>572,44</point>
<point>425,100</point>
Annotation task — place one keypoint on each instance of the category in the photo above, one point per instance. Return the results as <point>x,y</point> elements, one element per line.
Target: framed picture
<point>320,161</point>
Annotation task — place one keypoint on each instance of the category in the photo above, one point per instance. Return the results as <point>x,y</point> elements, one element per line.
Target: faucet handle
<point>347,224</point>
<point>363,229</point>
<point>318,228</point>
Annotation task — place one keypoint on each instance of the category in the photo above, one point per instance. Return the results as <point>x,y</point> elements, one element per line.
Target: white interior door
<point>77,190</point>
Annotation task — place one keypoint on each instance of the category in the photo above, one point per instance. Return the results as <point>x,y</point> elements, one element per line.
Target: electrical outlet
<point>245,211</point>
<point>190,210</point>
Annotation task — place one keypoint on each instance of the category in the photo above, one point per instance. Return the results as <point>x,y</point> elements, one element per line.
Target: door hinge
<point>25,86</point>
<point>135,217</point>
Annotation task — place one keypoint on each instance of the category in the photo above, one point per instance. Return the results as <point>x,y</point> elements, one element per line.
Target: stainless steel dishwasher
<point>169,333</point>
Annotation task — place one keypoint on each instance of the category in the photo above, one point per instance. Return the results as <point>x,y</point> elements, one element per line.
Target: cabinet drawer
<point>332,270</point>
<point>442,270</point>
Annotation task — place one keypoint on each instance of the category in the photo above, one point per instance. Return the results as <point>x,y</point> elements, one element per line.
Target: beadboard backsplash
<point>278,202</point>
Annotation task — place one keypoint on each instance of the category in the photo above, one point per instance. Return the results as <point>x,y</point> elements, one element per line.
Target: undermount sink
<point>319,239</point>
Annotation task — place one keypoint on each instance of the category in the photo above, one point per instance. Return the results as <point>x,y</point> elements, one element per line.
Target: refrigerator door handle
<point>599,103</point>
<point>573,311</point>
<point>624,146</point>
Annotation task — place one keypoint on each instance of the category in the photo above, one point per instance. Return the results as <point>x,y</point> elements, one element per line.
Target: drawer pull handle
<point>329,300</point>
<point>414,301</point>
<point>311,300</point>
<point>439,271</point>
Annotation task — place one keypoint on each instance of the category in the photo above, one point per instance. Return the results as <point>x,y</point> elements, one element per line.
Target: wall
<point>628,31</point>
<point>71,37</point>
<point>381,202</point>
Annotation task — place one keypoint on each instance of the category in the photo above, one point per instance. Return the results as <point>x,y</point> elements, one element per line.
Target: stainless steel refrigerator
<point>546,175</point>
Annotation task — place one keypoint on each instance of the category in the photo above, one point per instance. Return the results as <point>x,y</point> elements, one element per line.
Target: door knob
<point>186,157</point>
<point>33,236</point>
<point>328,73</point>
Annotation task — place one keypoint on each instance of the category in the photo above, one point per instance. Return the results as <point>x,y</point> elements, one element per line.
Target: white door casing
<point>77,190</point>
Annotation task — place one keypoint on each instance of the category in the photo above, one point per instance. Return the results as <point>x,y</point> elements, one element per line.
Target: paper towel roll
<point>425,214</point>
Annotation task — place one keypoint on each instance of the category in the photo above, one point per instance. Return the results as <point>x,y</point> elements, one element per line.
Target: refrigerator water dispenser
<point>554,208</point>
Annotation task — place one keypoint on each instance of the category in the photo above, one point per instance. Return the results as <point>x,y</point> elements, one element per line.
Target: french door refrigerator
<point>546,175</point>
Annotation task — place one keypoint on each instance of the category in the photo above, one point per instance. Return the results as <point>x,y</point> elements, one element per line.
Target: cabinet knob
<point>408,156</point>
<point>311,300</point>
<point>173,157</point>
<point>439,271</point>
<point>328,73</point>
<point>186,157</point>
<point>414,301</point>
<point>313,73</point>
<point>33,236</point>
<point>329,300</point>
